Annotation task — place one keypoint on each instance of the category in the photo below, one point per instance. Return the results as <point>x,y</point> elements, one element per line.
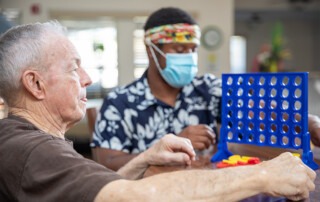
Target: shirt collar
<point>148,96</point>
<point>30,126</point>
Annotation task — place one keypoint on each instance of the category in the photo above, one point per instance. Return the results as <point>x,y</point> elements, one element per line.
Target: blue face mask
<point>180,68</point>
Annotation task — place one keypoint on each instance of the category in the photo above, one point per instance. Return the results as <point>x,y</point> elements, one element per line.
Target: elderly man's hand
<point>201,136</point>
<point>170,150</point>
<point>286,175</point>
<point>314,129</point>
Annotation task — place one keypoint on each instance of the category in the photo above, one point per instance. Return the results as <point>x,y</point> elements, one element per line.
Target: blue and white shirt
<point>131,119</point>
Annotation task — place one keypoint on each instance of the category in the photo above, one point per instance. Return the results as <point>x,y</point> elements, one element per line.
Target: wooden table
<point>203,162</point>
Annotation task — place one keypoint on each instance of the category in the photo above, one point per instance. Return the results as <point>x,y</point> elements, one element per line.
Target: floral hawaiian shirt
<point>131,119</point>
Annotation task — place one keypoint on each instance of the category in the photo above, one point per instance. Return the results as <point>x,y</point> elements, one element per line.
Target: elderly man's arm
<point>169,150</point>
<point>285,176</point>
<point>112,159</point>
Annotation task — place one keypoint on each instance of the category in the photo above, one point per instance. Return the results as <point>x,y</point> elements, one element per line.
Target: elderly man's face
<point>65,82</point>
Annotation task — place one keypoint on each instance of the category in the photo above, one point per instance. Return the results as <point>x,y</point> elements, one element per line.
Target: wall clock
<point>211,37</point>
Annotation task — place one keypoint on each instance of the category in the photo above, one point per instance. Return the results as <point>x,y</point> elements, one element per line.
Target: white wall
<point>207,12</point>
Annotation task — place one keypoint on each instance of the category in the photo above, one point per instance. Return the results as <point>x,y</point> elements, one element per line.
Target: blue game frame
<point>265,109</point>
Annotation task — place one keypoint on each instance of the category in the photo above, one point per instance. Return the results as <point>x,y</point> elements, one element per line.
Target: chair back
<point>91,114</point>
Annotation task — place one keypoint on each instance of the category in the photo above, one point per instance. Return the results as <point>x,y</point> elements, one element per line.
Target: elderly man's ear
<point>33,84</point>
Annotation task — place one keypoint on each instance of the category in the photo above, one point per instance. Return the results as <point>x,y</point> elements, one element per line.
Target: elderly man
<point>168,98</point>
<point>45,87</point>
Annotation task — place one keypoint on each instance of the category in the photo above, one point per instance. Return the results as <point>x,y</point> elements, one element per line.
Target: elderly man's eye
<point>73,69</point>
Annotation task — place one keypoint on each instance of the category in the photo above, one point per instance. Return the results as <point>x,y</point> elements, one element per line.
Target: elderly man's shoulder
<point>19,137</point>
<point>21,141</point>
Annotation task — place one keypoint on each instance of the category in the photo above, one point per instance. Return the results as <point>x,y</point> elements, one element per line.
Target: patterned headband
<point>175,33</point>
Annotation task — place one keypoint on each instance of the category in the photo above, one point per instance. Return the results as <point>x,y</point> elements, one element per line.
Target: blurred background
<point>237,36</point>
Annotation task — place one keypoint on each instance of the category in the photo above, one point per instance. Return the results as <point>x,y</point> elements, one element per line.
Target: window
<point>141,61</point>
<point>238,54</point>
<point>140,55</point>
<point>96,42</point>
<point>8,18</point>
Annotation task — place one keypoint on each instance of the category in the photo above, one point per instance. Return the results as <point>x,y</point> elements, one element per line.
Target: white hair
<point>22,47</point>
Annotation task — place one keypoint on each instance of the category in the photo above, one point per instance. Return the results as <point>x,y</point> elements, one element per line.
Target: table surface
<point>203,162</point>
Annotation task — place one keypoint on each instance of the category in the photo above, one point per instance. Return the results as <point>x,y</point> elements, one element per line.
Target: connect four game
<point>265,109</point>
